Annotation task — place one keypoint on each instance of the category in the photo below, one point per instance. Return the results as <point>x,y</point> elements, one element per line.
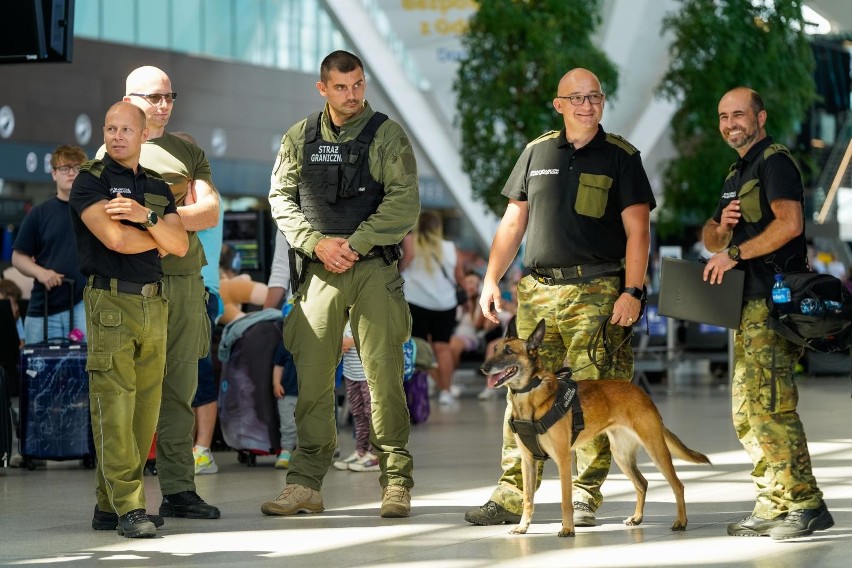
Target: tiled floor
<point>45,514</point>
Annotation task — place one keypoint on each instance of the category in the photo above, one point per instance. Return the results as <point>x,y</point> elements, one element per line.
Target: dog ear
<point>535,340</point>
<point>511,329</point>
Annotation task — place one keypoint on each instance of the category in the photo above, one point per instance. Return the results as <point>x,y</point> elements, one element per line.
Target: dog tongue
<point>492,379</point>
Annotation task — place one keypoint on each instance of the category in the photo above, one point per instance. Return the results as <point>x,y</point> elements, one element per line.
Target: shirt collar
<point>596,142</point>
<point>118,168</point>
<point>755,151</point>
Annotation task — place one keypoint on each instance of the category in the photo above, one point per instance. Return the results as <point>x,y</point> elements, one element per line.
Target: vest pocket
<point>749,196</point>
<point>156,203</point>
<point>592,195</point>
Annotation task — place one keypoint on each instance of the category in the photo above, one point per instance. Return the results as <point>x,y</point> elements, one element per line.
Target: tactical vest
<point>336,191</point>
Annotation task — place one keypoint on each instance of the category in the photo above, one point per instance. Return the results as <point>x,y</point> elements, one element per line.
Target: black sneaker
<point>755,526</point>
<point>491,514</point>
<point>584,516</point>
<point>106,521</point>
<point>135,524</point>
<point>189,505</point>
<point>803,522</point>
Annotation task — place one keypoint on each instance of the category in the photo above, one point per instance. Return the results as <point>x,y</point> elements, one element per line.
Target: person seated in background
<point>236,289</point>
<point>469,334</point>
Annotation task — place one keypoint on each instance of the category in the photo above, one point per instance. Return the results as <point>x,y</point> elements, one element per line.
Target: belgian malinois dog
<point>621,410</point>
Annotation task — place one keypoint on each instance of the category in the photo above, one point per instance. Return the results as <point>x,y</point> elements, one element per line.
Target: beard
<point>748,137</point>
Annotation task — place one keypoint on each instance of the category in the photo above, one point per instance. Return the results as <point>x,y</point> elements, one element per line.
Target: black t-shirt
<point>766,173</point>
<point>47,236</point>
<point>105,179</point>
<point>576,197</point>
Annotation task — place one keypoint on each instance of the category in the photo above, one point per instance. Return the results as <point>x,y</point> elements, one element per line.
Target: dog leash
<point>600,339</point>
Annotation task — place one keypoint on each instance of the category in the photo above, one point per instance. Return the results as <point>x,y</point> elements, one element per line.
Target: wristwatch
<point>734,253</point>
<point>637,293</point>
<point>152,219</point>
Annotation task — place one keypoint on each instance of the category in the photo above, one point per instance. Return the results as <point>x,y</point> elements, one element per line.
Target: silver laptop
<point>686,296</point>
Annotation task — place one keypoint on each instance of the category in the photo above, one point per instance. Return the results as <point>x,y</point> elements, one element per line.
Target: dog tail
<point>679,450</point>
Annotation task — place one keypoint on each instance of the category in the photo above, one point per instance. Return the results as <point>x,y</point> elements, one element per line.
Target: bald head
<point>135,114</point>
<point>575,77</point>
<point>141,78</point>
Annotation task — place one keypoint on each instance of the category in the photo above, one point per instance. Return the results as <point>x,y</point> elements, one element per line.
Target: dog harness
<point>529,431</point>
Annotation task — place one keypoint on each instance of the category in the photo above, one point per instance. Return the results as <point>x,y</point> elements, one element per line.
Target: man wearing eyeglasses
<point>582,197</point>
<point>185,168</point>
<point>44,251</point>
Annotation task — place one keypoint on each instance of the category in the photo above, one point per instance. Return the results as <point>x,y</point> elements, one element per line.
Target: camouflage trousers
<point>572,314</point>
<point>764,399</point>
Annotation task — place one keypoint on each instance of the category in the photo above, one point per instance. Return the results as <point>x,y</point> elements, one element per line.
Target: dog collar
<point>534,382</point>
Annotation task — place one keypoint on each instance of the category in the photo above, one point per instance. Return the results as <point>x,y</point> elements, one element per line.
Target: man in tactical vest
<point>758,227</point>
<point>344,193</point>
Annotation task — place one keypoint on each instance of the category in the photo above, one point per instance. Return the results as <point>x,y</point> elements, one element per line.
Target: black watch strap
<point>637,293</point>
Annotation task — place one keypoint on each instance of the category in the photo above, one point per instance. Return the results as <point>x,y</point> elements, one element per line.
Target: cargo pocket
<point>99,363</point>
<point>108,331</point>
<point>156,203</point>
<point>749,196</point>
<point>204,338</point>
<point>592,195</point>
<point>400,326</point>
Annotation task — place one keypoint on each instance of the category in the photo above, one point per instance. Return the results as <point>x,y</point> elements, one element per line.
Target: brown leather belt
<point>552,276</point>
<point>146,290</point>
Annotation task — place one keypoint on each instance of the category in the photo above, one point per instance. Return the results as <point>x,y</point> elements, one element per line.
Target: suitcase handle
<point>71,283</point>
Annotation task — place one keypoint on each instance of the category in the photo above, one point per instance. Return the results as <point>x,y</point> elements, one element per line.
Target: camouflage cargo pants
<point>572,314</point>
<point>764,399</point>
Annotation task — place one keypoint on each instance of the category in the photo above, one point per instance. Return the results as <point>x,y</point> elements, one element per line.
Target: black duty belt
<point>146,290</point>
<point>551,276</point>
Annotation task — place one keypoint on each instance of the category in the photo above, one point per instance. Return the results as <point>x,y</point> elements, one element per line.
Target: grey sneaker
<point>584,516</point>
<point>803,522</point>
<point>294,499</point>
<point>754,526</point>
<point>491,514</point>
<point>396,502</point>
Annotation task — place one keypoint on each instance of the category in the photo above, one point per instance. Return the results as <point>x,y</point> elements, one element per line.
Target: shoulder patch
<point>774,149</point>
<point>94,167</point>
<point>621,143</point>
<point>546,136</point>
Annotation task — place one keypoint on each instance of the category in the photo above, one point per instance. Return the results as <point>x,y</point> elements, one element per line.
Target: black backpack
<point>828,326</point>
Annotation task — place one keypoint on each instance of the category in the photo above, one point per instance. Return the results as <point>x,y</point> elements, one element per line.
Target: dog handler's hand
<point>491,296</point>
<point>626,310</point>
<point>717,266</point>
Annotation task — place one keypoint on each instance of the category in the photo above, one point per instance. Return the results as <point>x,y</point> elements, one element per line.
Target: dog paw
<point>518,530</point>
<point>633,521</point>
<point>678,526</point>
<point>566,532</point>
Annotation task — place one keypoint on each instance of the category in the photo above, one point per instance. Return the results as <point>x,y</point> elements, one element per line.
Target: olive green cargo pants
<point>370,296</point>
<point>126,357</point>
<point>188,341</point>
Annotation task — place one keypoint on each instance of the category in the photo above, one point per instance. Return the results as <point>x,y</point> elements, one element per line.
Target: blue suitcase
<point>54,401</point>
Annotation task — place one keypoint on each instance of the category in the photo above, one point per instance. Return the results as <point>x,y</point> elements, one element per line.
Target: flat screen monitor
<point>33,31</point>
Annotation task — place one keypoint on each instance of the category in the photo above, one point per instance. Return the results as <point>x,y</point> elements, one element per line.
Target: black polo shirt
<point>101,180</point>
<point>576,197</point>
<point>767,172</point>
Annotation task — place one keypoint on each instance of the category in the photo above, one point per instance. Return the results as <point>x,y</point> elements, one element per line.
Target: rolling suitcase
<point>248,413</point>
<point>54,400</point>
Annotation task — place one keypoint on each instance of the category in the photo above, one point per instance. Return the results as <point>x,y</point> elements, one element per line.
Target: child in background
<point>286,390</point>
<point>358,393</point>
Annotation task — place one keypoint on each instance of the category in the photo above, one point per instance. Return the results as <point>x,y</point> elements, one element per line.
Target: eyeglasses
<point>578,100</point>
<point>155,98</point>
<point>68,169</point>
